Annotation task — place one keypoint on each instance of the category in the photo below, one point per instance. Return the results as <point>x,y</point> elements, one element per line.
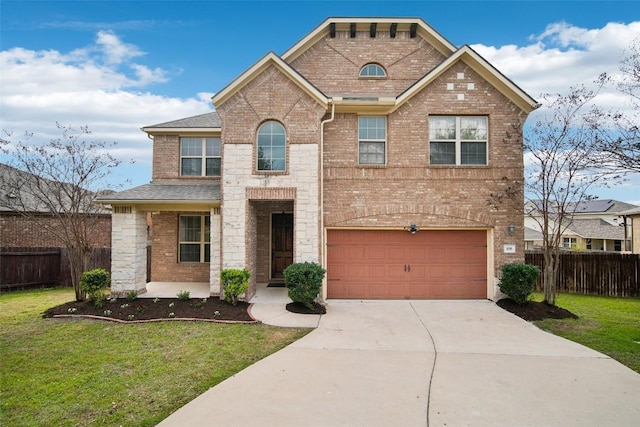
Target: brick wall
<point>408,190</point>
<point>405,60</point>
<point>164,256</point>
<point>18,231</point>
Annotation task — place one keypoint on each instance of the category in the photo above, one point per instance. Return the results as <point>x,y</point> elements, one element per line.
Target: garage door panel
<point>397,265</point>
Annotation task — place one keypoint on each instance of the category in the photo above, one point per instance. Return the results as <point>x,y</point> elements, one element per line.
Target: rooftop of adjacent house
<point>175,192</point>
<point>596,229</point>
<point>20,192</point>
<point>607,206</point>
<point>531,234</point>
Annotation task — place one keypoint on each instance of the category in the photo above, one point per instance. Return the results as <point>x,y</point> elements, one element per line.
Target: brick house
<point>372,146</point>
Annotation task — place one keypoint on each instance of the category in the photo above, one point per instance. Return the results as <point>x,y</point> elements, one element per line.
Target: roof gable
<point>270,59</point>
<point>484,69</point>
<point>416,26</point>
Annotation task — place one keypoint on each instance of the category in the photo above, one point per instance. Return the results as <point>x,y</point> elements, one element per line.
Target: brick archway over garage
<point>446,216</point>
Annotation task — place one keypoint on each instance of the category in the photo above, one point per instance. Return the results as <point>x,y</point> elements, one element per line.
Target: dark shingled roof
<point>207,120</point>
<point>209,191</point>
<point>596,229</point>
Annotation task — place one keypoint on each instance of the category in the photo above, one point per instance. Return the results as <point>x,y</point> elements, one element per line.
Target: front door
<point>281,243</point>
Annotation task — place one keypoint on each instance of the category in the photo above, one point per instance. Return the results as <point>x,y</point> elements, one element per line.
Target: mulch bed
<point>534,310</point>
<point>145,309</point>
<point>297,307</point>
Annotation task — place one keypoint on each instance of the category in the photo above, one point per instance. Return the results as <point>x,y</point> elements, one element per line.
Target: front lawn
<point>93,373</point>
<point>606,324</point>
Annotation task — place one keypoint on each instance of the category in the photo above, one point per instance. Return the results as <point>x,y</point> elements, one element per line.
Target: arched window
<point>272,149</point>
<point>372,70</point>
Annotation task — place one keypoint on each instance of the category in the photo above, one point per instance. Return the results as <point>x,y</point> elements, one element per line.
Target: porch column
<point>128,250</point>
<point>216,247</point>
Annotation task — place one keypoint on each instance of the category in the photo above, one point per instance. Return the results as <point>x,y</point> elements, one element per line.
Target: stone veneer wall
<point>239,219</point>
<point>129,251</point>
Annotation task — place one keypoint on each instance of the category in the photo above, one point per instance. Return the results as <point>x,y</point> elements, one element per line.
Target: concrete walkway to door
<point>423,363</point>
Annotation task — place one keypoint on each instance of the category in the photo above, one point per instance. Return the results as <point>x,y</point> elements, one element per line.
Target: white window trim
<point>385,141</point>
<point>458,144</point>
<point>384,76</point>
<point>203,240</point>
<point>286,152</point>
<point>203,157</point>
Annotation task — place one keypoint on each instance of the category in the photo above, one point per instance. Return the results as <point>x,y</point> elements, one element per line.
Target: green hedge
<point>303,281</point>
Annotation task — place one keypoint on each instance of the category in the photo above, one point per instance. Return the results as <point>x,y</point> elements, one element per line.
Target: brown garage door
<point>431,264</point>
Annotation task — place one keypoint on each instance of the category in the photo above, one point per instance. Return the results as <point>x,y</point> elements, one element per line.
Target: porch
<point>264,294</point>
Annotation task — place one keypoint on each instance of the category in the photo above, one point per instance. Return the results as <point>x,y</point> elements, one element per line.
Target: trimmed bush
<point>303,281</point>
<point>234,283</point>
<point>518,281</point>
<point>95,283</point>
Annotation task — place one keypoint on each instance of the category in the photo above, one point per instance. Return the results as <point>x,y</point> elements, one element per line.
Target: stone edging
<point>169,319</point>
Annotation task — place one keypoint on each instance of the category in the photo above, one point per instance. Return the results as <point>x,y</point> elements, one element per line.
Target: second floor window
<point>372,70</point>
<point>372,140</point>
<point>200,157</point>
<point>272,147</point>
<point>458,140</point>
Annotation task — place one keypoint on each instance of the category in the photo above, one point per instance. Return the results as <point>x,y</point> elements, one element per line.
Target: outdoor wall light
<point>412,229</point>
<point>511,229</point>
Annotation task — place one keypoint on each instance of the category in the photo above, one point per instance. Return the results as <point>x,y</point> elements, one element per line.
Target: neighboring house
<point>18,230</point>
<point>633,217</point>
<point>596,225</point>
<point>372,146</point>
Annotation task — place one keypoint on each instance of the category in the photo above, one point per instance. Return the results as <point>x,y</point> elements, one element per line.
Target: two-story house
<point>372,146</point>
<point>592,225</point>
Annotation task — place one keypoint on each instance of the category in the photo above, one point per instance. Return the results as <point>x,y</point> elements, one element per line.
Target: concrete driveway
<point>423,363</point>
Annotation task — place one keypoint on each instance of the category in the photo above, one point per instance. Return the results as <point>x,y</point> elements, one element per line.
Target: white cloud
<point>100,85</point>
<point>562,56</point>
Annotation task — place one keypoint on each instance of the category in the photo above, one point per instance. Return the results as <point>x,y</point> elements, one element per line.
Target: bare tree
<point>60,177</point>
<point>561,169</point>
<point>620,141</point>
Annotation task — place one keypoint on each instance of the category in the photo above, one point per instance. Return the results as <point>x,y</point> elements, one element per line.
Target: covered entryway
<point>390,264</point>
<point>281,243</point>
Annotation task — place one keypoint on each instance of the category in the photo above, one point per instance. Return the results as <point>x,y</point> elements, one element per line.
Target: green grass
<point>92,373</point>
<point>606,324</point>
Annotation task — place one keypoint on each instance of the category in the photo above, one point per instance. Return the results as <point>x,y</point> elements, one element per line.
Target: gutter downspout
<point>323,252</point>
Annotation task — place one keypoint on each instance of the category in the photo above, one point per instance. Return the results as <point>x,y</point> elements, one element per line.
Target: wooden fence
<point>594,273</point>
<point>31,267</point>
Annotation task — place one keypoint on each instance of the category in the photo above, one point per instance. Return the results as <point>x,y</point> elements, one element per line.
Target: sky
<point>118,66</point>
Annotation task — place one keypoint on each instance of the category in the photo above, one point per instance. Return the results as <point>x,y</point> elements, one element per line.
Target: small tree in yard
<point>95,283</point>
<point>562,167</point>
<point>53,184</point>
<point>303,281</point>
<point>234,283</point>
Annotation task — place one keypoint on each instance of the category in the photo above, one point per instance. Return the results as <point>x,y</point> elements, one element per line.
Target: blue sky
<point>118,66</point>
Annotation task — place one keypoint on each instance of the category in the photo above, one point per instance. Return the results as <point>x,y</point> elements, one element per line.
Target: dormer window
<point>373,70</point>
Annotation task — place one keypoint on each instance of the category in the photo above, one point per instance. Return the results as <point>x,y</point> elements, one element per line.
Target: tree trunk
<point>78,262</point>
<point>549,275</point>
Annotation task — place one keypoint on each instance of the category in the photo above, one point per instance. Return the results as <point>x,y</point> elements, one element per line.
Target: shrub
<point>95,283</point>
<point>234,283</point>
<point>303,281</point>
<point>518,281</point>
<point>132,295</point>
<point>184,295</point>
